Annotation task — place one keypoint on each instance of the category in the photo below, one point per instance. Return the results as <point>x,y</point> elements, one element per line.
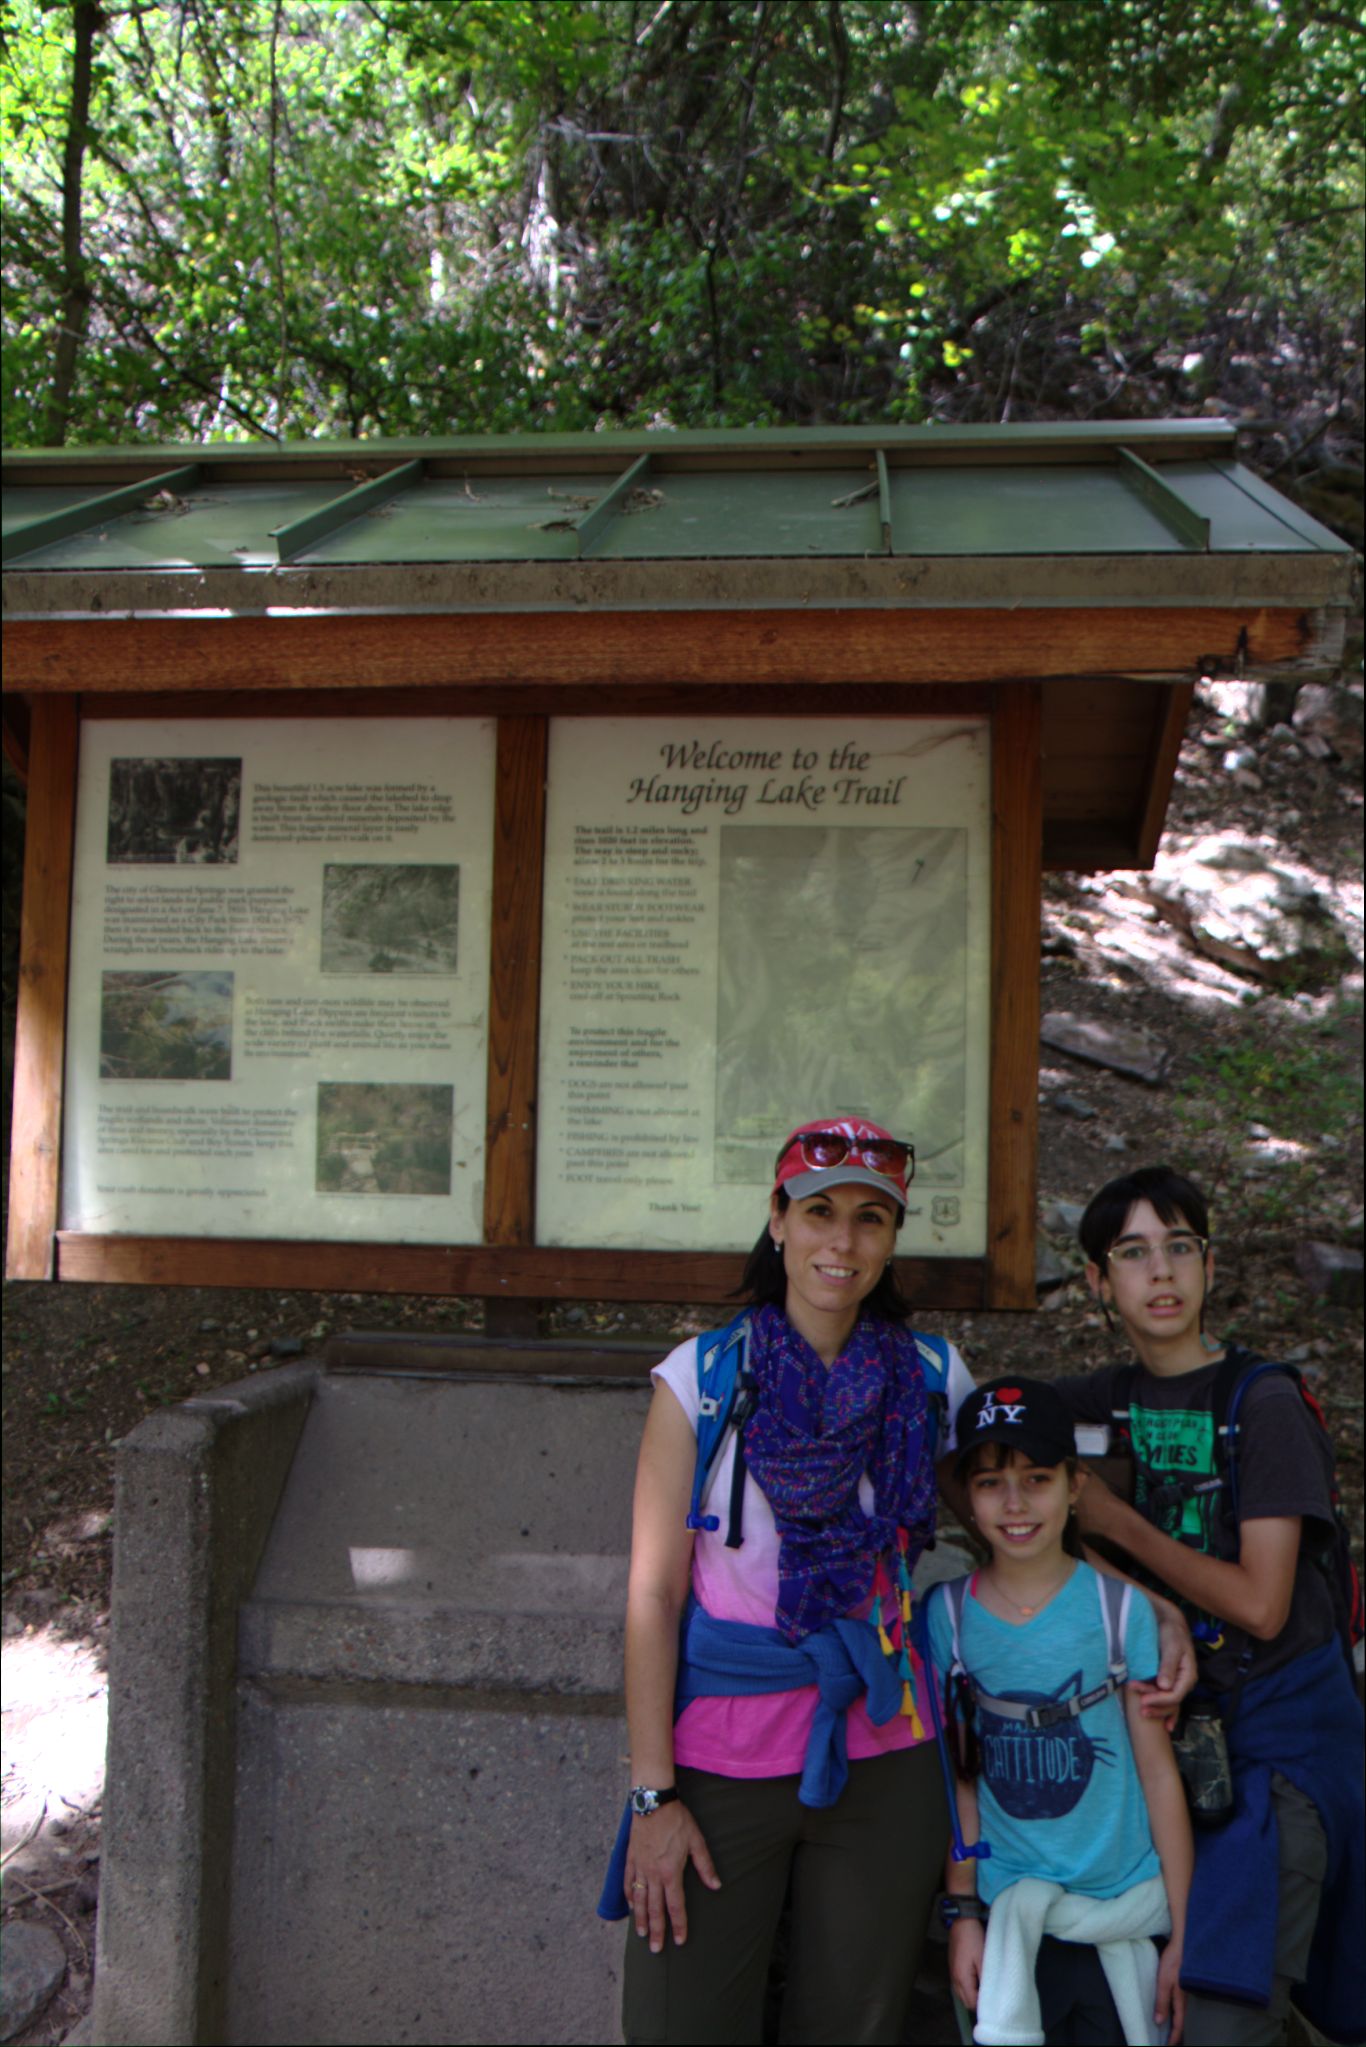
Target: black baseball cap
<point>1024,1414</point>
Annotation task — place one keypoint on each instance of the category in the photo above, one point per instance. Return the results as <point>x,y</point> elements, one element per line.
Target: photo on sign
<point>841,989</point>
<point>390,919</point>
<point>174,813</point>
<point>165,1025</point>
<point>384,1137</point>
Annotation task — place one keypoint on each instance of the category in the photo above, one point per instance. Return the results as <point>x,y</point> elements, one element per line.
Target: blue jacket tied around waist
<point>1303,1720</point>
<point>731,1659</point>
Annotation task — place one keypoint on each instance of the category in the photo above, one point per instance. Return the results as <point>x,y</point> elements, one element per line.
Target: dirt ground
<point>1261,1100</point>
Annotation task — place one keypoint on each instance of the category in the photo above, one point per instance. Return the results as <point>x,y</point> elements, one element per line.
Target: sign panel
<point>279,979</point>
<point>749,924</point>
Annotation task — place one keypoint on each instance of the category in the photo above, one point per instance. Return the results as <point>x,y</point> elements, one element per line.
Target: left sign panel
<point>279,979</point>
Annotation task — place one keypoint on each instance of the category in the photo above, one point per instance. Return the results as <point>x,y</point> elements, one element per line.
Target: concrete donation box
<point>366,1747</point>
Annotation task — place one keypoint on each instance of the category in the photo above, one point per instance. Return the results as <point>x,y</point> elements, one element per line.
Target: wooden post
<point>1166,751</point>
<point>1016,897</point>
<point>40,1031</point>
<point>515,981</point>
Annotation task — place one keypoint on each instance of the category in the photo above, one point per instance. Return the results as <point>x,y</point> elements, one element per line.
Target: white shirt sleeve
<point>679,1373</point>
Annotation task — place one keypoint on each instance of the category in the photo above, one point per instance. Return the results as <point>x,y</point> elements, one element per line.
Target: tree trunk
<point>75,313</point>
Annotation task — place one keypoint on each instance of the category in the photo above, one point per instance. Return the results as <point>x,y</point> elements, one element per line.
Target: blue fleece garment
<point>1304,1720</point>
<point>731,1659</point>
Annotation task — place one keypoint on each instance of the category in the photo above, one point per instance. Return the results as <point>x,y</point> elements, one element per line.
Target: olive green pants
<point>863,1875</point>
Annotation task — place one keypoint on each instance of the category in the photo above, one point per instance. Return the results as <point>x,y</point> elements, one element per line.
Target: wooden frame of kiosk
<point>1066,585</point>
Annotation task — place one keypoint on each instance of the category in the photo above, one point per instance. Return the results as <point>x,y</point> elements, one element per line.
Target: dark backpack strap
<point>746,1400</point>
<point>1235,1375</point>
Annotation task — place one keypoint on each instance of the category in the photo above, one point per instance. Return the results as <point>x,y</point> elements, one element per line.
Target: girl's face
<point>1159,1288</point>
<point>835,1248</point>
<point>1021,1508</point>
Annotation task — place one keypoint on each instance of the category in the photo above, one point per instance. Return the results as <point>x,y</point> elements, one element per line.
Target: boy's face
<point>1159,1287</point>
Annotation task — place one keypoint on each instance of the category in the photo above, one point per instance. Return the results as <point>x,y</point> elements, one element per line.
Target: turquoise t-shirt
<point>1063,1802</point>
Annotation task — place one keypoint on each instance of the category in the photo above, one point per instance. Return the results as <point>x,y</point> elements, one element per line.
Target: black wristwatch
<point>644,1800</point>
<point>953,1908</point>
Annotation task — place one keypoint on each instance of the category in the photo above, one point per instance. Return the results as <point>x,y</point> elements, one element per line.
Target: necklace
<point>1028,1612</point>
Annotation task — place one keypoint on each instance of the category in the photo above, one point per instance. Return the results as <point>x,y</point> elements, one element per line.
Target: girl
<point>1075,1791</point>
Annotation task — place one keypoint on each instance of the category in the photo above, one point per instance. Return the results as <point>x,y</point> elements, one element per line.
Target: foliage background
<point>230,218</point>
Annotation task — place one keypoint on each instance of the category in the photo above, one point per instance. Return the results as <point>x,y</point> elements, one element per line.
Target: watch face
<point>643,1802</point>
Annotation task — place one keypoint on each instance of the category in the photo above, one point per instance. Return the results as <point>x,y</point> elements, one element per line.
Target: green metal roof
<point>1165,494</point>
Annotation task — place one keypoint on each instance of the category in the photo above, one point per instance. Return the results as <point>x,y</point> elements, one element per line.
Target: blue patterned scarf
<point>816,1430</point>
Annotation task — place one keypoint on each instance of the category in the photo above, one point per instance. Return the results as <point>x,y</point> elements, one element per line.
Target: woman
<point>750,1789</point>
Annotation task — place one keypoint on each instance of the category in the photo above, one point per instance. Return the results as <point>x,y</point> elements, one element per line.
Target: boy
<point>1277,1899</point>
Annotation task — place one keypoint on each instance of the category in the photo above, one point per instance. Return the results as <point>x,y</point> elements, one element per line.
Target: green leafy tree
<point>303,217</point>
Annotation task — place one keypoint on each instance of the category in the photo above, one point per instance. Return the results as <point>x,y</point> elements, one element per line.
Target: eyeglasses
<point>1181,1248</point>
<point>822,1149</point>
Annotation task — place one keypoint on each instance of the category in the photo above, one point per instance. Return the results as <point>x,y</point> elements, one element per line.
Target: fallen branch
<point>42,1898</point>
<point>19,1846</point>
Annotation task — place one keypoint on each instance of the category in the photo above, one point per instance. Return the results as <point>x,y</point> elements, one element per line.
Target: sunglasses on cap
<point>824,1149</point>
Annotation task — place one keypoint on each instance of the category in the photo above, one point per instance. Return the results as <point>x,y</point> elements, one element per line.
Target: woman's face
<point>835,1248</point>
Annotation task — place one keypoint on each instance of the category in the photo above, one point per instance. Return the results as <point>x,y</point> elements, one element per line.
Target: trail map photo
<point>841,989</point>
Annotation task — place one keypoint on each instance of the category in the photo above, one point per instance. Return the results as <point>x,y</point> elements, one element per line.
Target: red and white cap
<point>883,1166</point>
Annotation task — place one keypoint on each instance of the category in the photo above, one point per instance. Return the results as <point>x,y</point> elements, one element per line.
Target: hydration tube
<point>960,1851</point>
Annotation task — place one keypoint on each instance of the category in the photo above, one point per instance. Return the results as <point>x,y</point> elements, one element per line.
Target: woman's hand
<point>661,1847</point>
<point>967,1944</point>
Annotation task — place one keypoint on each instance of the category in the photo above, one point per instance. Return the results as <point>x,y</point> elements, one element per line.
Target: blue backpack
<point>727,1392</point>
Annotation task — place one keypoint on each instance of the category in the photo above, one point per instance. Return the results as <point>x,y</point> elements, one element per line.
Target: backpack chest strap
<point>1056,1709</point>
<point>1114,1595</point>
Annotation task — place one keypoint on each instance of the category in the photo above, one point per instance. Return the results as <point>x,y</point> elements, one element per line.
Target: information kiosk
<point>453,864</point>
<point>451,868</point>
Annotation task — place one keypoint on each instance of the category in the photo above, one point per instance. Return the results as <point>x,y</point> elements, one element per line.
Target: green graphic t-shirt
<point>1284,1469</point>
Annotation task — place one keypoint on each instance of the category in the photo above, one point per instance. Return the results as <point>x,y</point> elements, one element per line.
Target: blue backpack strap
<point>1236,1374</point>
<point>720,1356</point>
<point>934,1362</point>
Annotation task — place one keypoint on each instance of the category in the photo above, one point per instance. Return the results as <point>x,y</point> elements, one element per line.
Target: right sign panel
<point>748,925</point>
